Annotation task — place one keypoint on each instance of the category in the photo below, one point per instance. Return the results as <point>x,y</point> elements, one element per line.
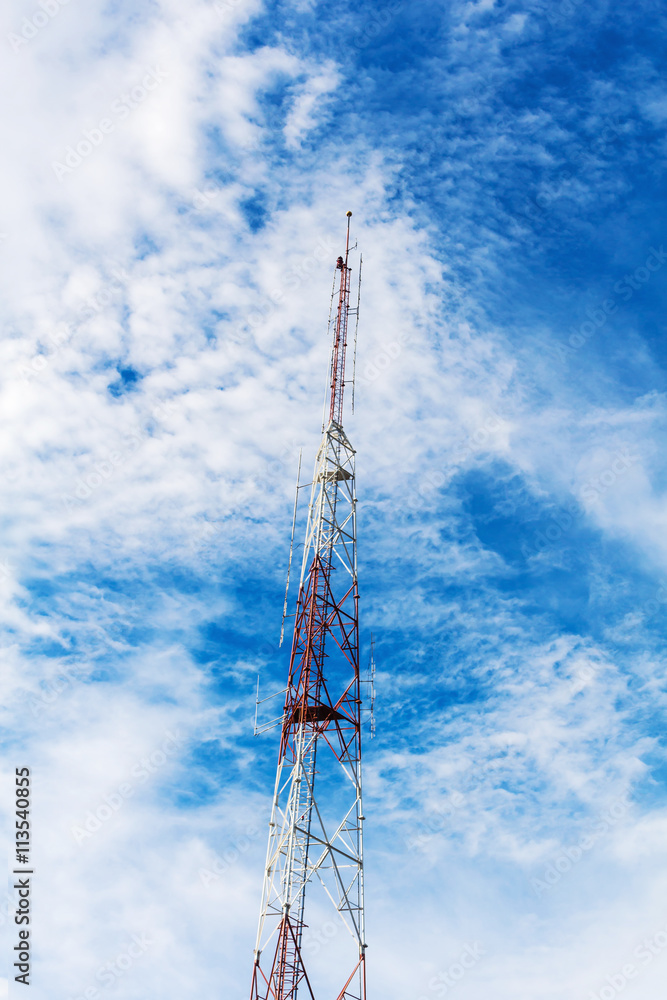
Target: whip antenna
<point>291,549</point>
<point>356,329</point>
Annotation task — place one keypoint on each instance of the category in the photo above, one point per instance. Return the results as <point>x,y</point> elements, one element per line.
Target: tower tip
<point>349,214</point>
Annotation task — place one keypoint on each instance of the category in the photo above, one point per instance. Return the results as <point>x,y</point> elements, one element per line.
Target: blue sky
<point>169,173</point>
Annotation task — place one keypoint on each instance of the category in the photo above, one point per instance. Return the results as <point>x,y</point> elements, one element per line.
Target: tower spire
<point>315,831</point>
<point>340,334</point>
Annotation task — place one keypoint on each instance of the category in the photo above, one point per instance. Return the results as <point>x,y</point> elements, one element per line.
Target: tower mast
<point>315,830</point>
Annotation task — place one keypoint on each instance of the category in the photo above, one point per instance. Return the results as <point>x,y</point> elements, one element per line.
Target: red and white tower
<point>315,831</point>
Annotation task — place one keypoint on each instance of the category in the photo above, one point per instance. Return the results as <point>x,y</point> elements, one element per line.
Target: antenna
<point>256,707</point>
<point>326,387</point>
<point>291,549</point>
<point>333,292</point>
<point>371,679</point>
<point>356,328</point>
<point>266,727</point>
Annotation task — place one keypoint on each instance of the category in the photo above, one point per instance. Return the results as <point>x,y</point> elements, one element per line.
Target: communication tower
<point>314,863</point>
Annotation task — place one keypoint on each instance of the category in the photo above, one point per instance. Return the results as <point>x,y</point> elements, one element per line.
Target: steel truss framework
<point>315,830</point>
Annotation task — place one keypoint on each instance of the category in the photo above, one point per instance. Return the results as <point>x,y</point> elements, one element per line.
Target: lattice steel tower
<point>315,831</point>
